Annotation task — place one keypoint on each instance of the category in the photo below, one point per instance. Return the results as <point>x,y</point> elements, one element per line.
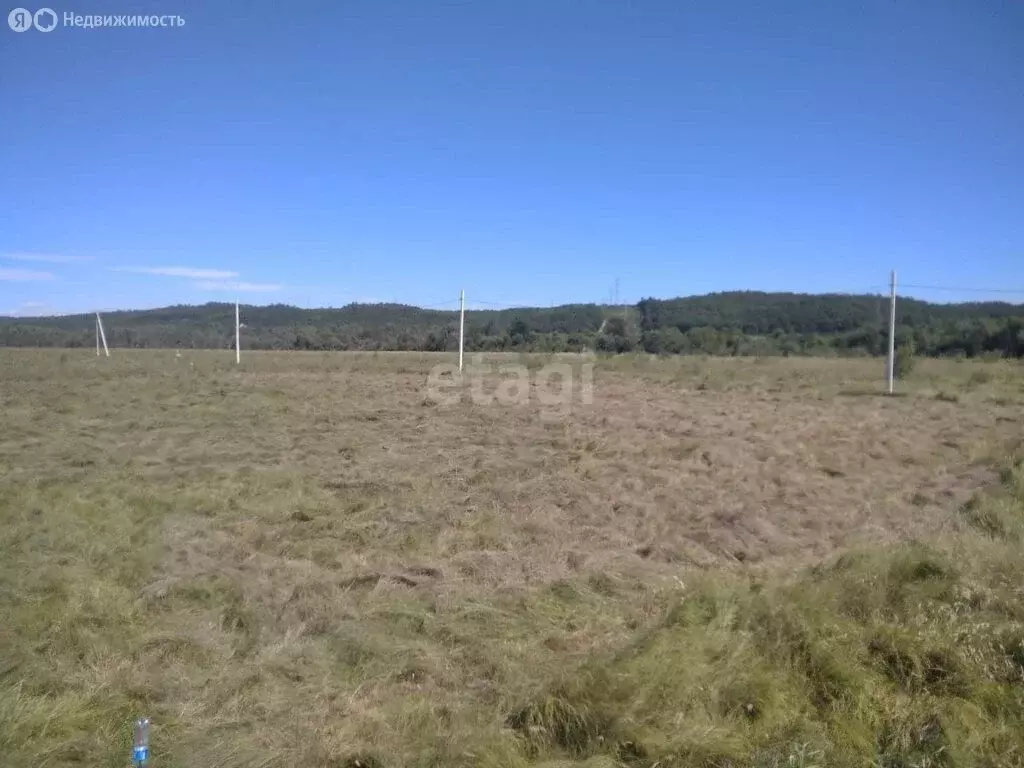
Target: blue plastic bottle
<point>140,748</point>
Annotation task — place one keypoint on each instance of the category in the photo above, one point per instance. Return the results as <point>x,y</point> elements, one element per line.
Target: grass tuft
<point>563,721</point>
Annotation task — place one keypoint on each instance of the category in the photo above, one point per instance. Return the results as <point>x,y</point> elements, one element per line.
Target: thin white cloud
<point>46,258</point>
<point>188,272</point>
<point>221,285</point>
<point>24,275</point>
<point>31,309</point>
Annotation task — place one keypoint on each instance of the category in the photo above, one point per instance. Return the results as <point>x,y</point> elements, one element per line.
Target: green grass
<point>911,655</point>
<point>893,659</point>
<point>299,563</point>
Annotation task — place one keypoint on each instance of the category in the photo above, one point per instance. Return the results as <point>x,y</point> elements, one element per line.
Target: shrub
<point>905,360</point>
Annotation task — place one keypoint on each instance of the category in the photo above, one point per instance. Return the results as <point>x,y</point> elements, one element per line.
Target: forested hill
<point>737,323</point>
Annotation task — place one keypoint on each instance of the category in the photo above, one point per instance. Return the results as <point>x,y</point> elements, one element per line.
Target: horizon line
<point>501,306</point>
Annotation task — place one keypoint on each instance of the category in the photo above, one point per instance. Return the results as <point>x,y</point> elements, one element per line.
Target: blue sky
<point>530,152</point>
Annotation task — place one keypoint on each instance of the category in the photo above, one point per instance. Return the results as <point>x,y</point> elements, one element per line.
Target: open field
<point>306,560</point>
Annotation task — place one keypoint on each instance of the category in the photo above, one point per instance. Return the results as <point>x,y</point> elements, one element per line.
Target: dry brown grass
<point>305,559</point>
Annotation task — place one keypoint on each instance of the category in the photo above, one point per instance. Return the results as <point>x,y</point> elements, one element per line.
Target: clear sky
<point>529,151</point>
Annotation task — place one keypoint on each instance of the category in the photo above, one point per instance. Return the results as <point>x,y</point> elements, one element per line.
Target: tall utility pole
<point>238,338</point>
<point>103,336</point>
<point>462,324</point>
<point>891,363</point>
<point>97,334</point>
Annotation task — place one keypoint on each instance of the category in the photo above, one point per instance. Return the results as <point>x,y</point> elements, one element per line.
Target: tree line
<point>734,323</point>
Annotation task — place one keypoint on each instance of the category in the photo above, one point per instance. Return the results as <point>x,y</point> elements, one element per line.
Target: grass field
<point>306,560</point>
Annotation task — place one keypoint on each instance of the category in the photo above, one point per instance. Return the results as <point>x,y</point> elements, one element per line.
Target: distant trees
<point>742,323</point>
<point>616,337</point>
<point>519,334</point>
